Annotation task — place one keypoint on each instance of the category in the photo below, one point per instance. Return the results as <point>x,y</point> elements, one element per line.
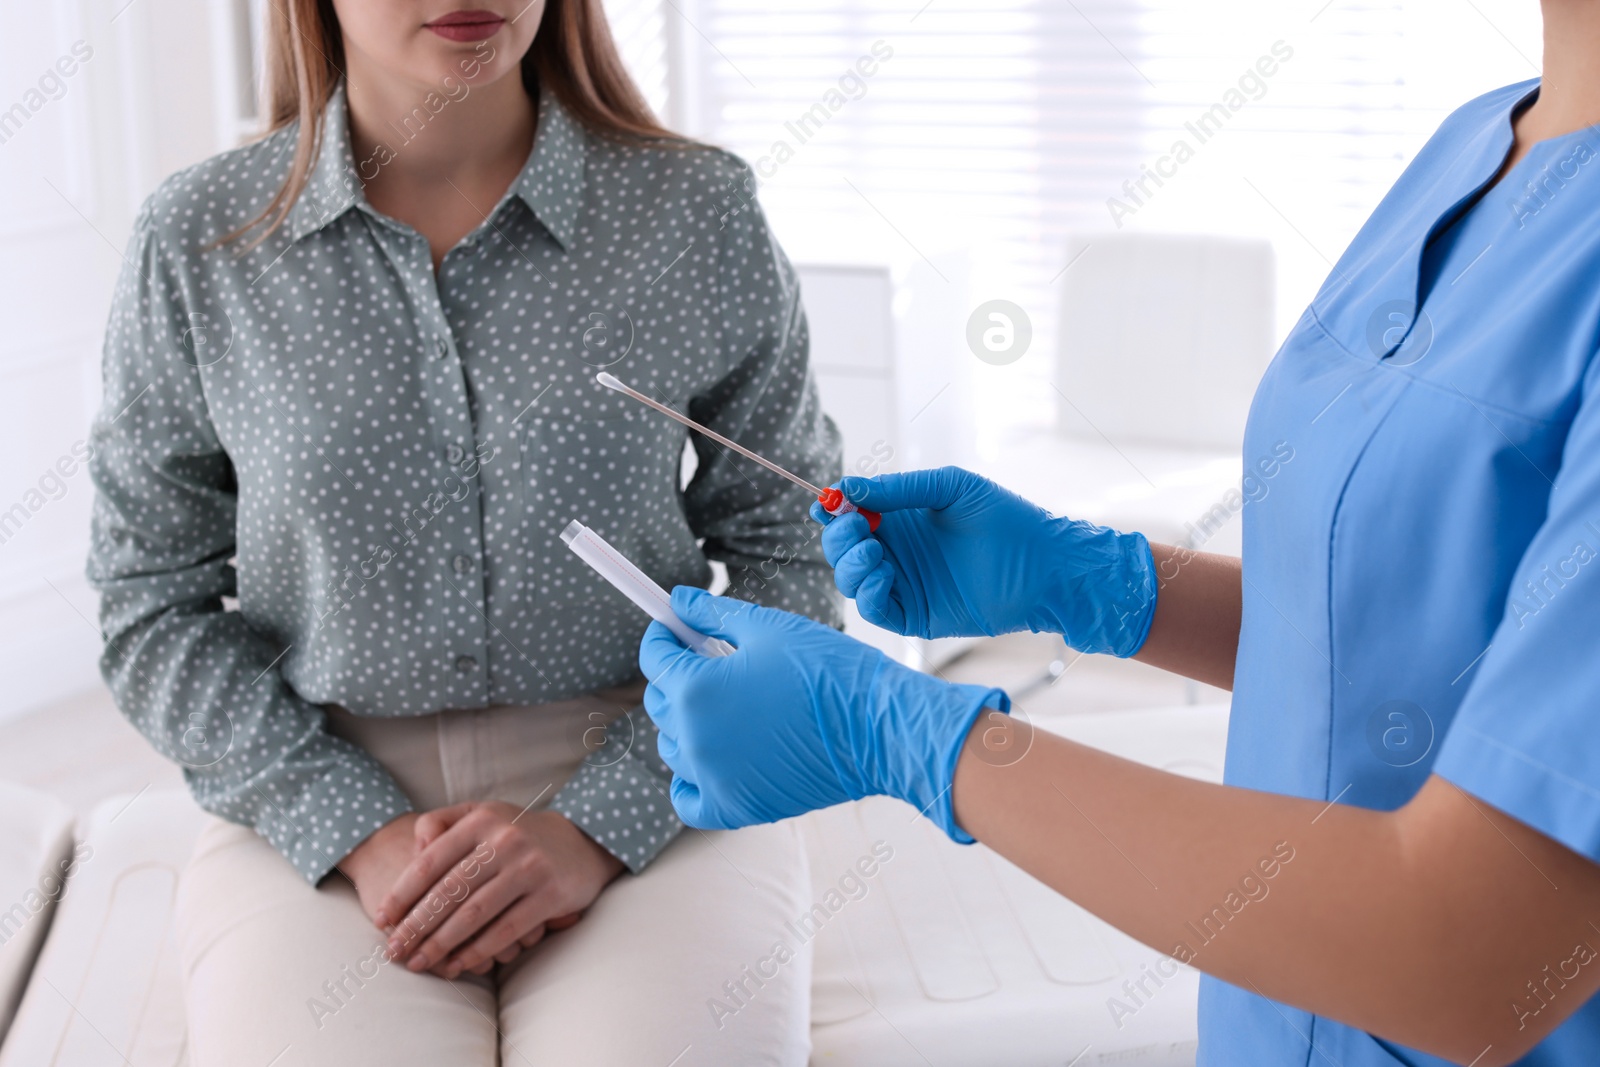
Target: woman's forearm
<point>1195,632</point>
<point>1423,925</point>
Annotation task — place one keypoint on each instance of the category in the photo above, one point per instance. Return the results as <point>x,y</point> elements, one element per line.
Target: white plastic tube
<point>636,585</point>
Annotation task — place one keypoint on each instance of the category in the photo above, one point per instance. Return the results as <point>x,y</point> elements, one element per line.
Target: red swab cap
<point>834,503</point>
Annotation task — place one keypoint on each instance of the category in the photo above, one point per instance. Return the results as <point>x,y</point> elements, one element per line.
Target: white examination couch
<point>35,848</point>
<point>950,957</point>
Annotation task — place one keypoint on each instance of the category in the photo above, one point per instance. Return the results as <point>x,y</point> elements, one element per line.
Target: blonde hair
<point>573,55</point>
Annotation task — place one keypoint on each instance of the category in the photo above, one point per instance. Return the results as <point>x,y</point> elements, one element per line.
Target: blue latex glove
<point>800,717</point>
<point>958,556</point>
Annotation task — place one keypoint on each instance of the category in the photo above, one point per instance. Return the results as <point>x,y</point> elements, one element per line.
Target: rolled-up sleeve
<point>194,678</point>
<point>1525,738</point>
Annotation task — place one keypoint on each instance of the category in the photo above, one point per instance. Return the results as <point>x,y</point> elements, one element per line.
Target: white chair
<point>850,314</point>
<point>888,358</point>
<point>1162,339</point>
<point>849,311</point>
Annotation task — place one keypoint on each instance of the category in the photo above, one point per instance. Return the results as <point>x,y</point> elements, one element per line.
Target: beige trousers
<point>279,973</point>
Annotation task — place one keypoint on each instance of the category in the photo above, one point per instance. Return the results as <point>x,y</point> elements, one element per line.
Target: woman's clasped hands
<point>461,888</point>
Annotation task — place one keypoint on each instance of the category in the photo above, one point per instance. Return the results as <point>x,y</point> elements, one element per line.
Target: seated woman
<point>349,381</point>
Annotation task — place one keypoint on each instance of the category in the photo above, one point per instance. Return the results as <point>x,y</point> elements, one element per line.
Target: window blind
<point>1001,128</point>
<point>639,28</point>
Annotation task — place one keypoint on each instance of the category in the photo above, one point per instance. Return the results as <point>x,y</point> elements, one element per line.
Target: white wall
<point>77,156</point>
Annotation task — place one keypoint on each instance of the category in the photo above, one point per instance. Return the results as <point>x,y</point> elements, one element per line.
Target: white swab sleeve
<point>634,584</point>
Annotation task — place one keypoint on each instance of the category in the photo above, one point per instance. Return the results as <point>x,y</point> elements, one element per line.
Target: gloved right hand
<point>799,717</point>
<point>957,555</point>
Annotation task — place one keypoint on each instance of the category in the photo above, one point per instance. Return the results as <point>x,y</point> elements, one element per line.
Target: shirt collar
<point>332,187</point>
<point>551,182</point>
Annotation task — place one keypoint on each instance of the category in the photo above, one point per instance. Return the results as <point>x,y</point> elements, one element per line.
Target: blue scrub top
<point>1422,573</point>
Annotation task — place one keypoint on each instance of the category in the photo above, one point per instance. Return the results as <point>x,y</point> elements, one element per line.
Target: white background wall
<point>72,175</point>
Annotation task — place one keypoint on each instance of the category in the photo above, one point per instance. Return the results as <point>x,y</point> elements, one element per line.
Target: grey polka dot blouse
<point>327,475</point>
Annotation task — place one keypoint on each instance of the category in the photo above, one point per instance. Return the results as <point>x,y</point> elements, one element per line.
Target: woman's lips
<point>467,25</point>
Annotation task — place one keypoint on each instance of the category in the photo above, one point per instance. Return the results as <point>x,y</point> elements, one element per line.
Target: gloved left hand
<point>799,717</point>
<point>957,555</point>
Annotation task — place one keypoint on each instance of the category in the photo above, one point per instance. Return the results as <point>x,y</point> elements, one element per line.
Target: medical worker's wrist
<point>1099,591</point>
<point>1137,607</point>
<point>923,723</point>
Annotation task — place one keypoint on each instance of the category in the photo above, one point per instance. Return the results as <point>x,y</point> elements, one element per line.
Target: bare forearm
<point>1393,922</point>
<point>1195,632</point>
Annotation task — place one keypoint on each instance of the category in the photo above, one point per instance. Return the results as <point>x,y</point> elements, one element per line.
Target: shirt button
<point>462,564</point>
<point>443,347</point>
<point>455,453</point>
<point>466,664</point>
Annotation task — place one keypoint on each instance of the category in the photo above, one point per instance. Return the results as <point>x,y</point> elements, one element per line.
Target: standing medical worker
<point>1412,640</point>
